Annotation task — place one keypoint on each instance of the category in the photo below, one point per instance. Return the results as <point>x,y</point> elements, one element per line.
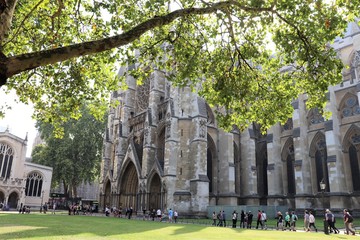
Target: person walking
<point>220,219</point>
<point>280,221</point>
<point>130,213</point>
<point>224,218</point>
<point>263,220</point>
<point>312,222</point>
<point>234,219</point>
<point>293,220</point>
<point>214,218</point>
<point>306,221</point>
<point>242,219</point>
<point>158,214</point>
<point>54,208</point>
<point>330,219</point>
<point>170,215</point>
<point>249,219</point>
<point>348,221</point>
<point>175,216</point>
<point>287,221</point>
<point>258,220</point>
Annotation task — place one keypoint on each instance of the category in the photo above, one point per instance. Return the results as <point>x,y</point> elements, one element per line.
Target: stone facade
<point>163,149</point>
<point>21,182</point>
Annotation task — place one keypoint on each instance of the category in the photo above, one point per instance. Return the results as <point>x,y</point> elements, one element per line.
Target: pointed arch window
<point>350,106</point>
<point>288,157</point>
<point>142,94</point>
<point>314,117</point>
<point>290,170</point>
<point>321,164</point>
<point>288,125</point>
<point>354,167</point>
<point>6,160</point>
<point>355,66</point>
<point>34,183</point>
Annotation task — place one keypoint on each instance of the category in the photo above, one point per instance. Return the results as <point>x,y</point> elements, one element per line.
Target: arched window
<point>349,106</point>
<point>6,160</point>
<point>351,148</point>
<point>318,153</point>
<point>211,167</point>
<point>314,117</point>
<point>354,166</point>
<point>34,184</point>
<point>289,125</point>
<point>288,158</point>
<point>355,66</point>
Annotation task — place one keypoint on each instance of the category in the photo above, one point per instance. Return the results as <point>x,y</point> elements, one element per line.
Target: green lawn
<point>61,226</point>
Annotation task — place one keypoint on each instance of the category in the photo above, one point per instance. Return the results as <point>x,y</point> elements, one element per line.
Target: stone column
<point>248,166</point>
<point>274,168</point>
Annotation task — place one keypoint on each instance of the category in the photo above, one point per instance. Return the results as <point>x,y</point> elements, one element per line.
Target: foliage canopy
<point>57,53</point>
<point>76,157</point>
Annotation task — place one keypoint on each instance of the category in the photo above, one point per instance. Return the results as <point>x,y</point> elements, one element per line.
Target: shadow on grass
<point>18,226</point>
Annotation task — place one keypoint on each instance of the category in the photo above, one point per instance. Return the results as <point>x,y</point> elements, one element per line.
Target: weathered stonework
<point>168,151</point>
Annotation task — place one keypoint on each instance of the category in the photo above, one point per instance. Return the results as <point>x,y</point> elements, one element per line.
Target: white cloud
<point>18,119</point>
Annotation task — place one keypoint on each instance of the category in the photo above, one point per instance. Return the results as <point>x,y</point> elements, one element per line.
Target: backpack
<point>350,218</point>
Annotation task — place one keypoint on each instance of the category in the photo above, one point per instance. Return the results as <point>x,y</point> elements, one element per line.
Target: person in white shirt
<point>158,214</point>
<point>263,220</point>
<point>311,222</point>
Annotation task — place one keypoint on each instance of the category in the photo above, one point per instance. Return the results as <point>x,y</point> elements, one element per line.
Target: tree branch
<point>17,64</point>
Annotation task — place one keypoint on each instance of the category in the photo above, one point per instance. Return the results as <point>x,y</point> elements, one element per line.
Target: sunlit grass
<point>41,226</point>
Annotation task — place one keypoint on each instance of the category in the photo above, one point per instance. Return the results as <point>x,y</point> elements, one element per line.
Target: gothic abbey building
<point>163,149</point>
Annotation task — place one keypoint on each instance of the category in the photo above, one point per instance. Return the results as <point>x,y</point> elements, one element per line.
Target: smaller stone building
<point>21,182</point>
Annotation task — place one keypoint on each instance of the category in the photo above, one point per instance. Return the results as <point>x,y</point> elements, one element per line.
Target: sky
<point>18,120</point>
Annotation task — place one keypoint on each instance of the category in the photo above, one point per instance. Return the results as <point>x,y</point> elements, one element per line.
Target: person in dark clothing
<point>153,214</point>
<point>242,219</point>
<point>258,220</point>
<point>220,219</point>
<point>130,212</point>
<point>250,218</point>
<point>330,218</point>
<point>224,218</point>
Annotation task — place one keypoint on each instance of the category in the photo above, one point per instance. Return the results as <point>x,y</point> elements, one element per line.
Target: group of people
<point>246,219</point>
<point>330,220</point>
<point>286,223</point>
<point>117,212</point>
<point>170,216</point>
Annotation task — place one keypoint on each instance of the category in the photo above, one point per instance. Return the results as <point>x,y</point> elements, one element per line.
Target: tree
<point>57,53</point>
<point>77,156</point>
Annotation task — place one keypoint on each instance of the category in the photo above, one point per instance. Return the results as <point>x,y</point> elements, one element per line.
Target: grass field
<point>61,226</point>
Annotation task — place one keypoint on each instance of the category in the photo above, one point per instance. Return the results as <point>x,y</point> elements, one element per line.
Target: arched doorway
<point>2,197</point>
<point>129,187</point>
<point>354,166</point>
<point>13,200</point>
<point>351,148</point>
<point>155,193</point>
<point>107,194</point>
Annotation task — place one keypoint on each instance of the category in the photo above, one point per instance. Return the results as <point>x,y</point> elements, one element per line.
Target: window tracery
<point>314,117</point>
<point>142,95</point>
<point>6,160</point>
<point>34,184</point>
<point>350,106</point>
<point>356,65</point>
